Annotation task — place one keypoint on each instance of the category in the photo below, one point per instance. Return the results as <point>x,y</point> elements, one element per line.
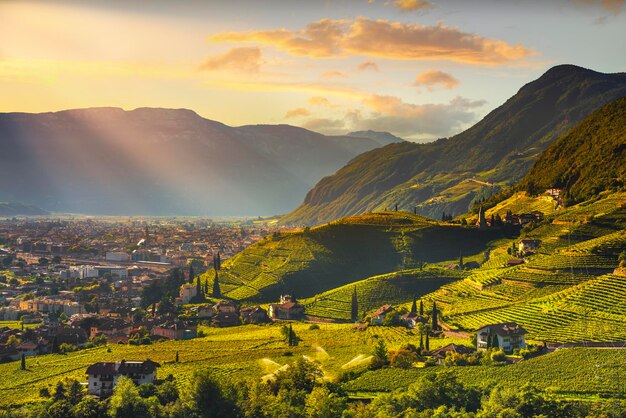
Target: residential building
<point>508,336</point>
<point>103,376</point>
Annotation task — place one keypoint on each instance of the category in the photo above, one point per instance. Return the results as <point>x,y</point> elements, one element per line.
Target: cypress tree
<point>461,260</point>
<point>427,342</point>
<point>434,317</point>
<point>290,340</point>
<point>396,207</point>
<point>216,286</point>
<point>206,287</point>
<point>443,216</point>
<point>421,308</point>
<point>23,365</point>
<point>355,306</point>
<point>421,339</point>
<point>414,306</point>
<point>198,288</point>
<point>191,273</point>
<point>219,261</point>
<point>176,356</point>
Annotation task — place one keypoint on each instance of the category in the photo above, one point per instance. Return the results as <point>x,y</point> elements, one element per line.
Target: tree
<point>292,338</point>
<point>59,392</point>
<point>421,308</point>
<point>427,346</point>
<point>322,403</point>
<point>381,358</point>
<point>403,359</point>
<point>414,306</point>
<point>207,398</point>
<point>622,259</point>
<point>198,289</point>
<point>217,293</point>
<point>75,392</point>
<point>23,363</point>
<point>126,402</point>
<point>434,317</point>
<point>355,306</point>
<point>461,260</point>
<point>151,295</point>
<point>176,357</point>
<point>90,408</point>
<point>191,273</point>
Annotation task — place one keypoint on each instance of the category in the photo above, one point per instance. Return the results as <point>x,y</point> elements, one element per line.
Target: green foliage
<point>590,158</point>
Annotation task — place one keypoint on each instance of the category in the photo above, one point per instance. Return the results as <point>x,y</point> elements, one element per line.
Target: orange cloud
<point>319,39</point>
<point>431,78</point>
<point>367,65</point>
<point>384,39</point>
<point>410,5</point>
<point>333,74</point>
<point>245,59</point>
<point>612,6</point>
<point>297,113</point>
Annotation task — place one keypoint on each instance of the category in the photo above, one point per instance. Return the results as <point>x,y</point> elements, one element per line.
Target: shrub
<point>314,327</point>
<point>498,356</point>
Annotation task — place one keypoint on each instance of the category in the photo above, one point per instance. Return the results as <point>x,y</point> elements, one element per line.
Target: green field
<point>249,352</point>
<point>310,262</point>
<point>245,352</point>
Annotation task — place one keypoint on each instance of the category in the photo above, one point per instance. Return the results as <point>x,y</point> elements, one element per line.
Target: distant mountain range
<point>15,209</point>
<point>155,161</point>
<point>447,175</point>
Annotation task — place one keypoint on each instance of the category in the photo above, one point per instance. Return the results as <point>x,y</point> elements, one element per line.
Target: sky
<point>420,69</point>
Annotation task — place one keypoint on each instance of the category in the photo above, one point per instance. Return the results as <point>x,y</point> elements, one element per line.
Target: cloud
<point>410,5</point>
<point>367,65</point>
<point>319,101</point>
<point>611,6</point>
<point>384,39</point>
<point>327,126</point>
<point>297,113</point>
<point>319,39</point>
<point>426,120</point>
<point>431,78</point>
<point>333,74</point>
<point>245,59</point>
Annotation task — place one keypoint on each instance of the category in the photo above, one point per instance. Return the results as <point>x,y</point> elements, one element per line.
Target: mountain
<point>383,138</point>
<point>311,261</point>
<point>162,162</point>
<point>14,209</point>
<point>448,174</point>
<point>588,159</point>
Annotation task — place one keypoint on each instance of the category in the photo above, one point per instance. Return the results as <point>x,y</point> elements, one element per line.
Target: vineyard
<point>393,288</point>
<point>230,353</point>
<point>577,372</point>
<point>564,293</point>
<point>320,259</point>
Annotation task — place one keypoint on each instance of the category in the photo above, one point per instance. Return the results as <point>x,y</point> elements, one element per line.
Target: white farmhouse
<point>508,336</point>
<point>103,376</point>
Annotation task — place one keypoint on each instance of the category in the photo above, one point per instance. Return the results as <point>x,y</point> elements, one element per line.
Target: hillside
<point>305,263</point>
<point>383,138</point>
<point>588,159</point>
<point>498,150</point>
<point>14,209</point>
<point>162,162</point>
<point>565,292</point>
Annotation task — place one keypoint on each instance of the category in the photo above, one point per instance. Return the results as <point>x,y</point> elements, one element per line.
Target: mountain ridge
<point>498,149</point>
<point>159,161</point>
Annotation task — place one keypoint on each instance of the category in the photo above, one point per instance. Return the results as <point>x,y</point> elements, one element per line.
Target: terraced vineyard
<point>522,203</point>
<point>315,260</point>
<point>394,288</point>
<point>564,293</point>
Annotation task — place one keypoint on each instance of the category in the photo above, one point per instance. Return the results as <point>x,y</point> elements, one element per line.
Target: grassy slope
<point>313,261</point>
<point>588,159</point>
